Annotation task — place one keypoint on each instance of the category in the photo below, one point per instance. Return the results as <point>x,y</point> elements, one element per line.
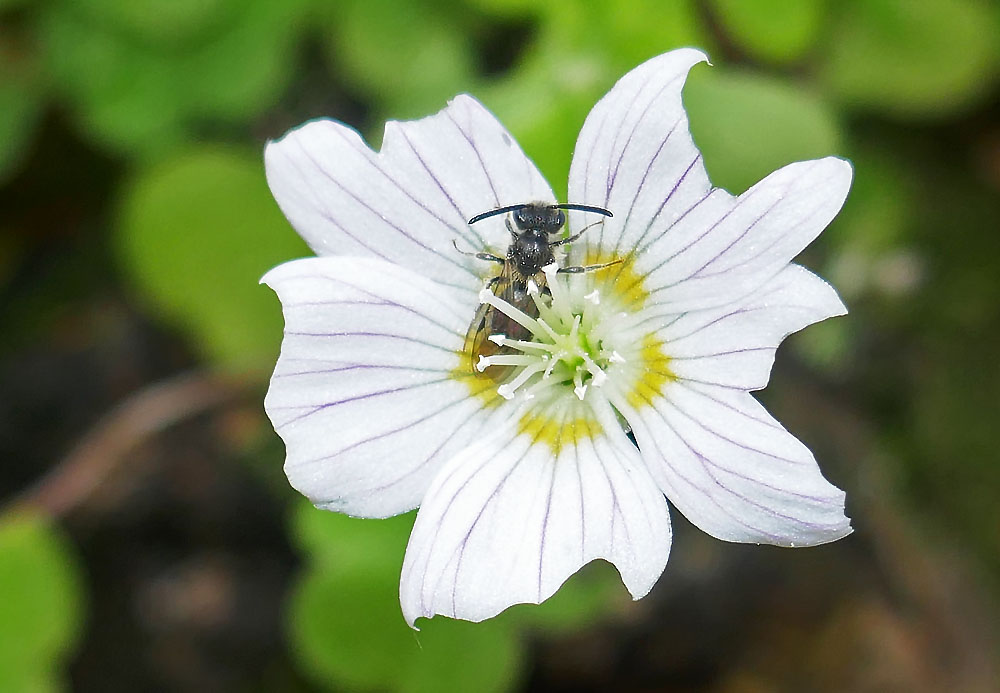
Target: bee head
<point>542,217</point>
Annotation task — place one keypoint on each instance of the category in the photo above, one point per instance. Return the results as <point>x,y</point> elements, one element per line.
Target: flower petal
<point>635,156</point>
<point>733,470</point>
<point>408,202</point>
<point>695,246</point>
<point>507,522</point>
<point>723,248</point>
<point>734,345</point>
<point>364,393</point>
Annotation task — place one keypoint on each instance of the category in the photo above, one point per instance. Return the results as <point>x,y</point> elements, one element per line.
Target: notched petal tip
<point>285,270</point>
<point>268,277</point>
<point>464,99</point>
<point>688,54</point>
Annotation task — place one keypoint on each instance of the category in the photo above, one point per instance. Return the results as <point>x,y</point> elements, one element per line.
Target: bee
<point>531,248</point>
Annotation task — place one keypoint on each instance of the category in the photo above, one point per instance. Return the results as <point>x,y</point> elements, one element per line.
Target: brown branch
<point>105,446</point>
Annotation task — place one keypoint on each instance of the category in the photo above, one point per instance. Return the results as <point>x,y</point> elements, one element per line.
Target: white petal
<point>723,248</point>
<point>734,345</point>
<point>635,156</point>
<point>507,522</point>
<point>364,392</point>
<point>408,202</point>
<point>700,247</point>
<point>733,470</point>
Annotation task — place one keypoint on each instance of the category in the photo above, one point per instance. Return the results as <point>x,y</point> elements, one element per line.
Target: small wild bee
<point>531,249</point>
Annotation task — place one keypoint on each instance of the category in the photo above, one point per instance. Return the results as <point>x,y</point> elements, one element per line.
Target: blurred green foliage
<point>184,92</point>
<point>912,58</point>
<point>424,53</point>
<point>144,78</point>
<point>773,31</point>
<point>196,232</point>
<point>733,114</point>
<point>347,599</point>
<point>41,608</point>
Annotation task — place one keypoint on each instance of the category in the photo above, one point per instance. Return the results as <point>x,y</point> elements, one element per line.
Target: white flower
<point>382,412</point>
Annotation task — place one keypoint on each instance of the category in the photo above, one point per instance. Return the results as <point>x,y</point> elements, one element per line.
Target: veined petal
<point>734,345</point>
<point>411,200</point>
<point>691,245</point>
<point>365,392</point>
<point>509,519</point>
<point>722,248</point>
<point>635,157</point>
<point>733,470</point>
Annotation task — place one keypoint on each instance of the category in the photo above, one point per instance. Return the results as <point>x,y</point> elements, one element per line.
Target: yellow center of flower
<point>571,344</point>
<point>585,337</point>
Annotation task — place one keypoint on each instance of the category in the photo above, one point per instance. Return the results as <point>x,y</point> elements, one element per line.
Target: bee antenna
<point>583,208</point>
<point>495,212</point>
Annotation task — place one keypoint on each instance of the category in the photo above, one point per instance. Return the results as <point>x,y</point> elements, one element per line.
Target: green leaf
<point>168,22</point>
<point>460,656</point>
<point>410,57</point>
<point>913,58</point>
<point>346,628</point>
<point>348,631</point>
<point>42,604</point>
<point>775,31</point>
<point>747,125</point>
<point>636,31</point>
<point>147,98</point>
<point>350,543</point>
<point>195,234</point>
<point>515,7</point>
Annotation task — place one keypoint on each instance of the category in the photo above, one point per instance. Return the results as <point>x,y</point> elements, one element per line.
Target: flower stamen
<point>565,346</point>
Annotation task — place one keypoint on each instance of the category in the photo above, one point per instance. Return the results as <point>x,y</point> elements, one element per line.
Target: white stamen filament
<point>507,389</point>
<point>519,316</point>
<point>521,344</point>
<point>567,346</point>
<point>507,360</point>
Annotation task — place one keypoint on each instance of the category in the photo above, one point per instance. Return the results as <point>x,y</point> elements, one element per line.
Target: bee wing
<point>510,286</point>
<point>506,283</point>
<point>477,336</point>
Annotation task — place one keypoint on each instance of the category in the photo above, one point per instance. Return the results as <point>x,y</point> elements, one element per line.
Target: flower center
<point>572,342</point>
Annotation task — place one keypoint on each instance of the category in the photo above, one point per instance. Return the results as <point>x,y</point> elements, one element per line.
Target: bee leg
<point>574,236</point>
<point>586,268</point>
<point>479,256</point>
